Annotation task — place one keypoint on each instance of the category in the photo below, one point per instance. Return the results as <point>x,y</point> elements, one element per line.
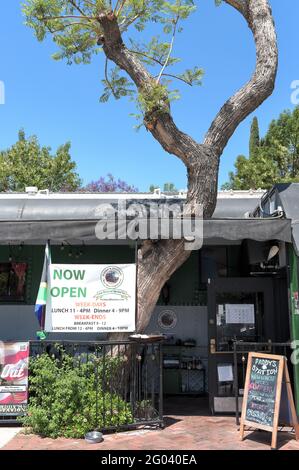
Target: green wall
<point>34,256</point>
<point>184,285</point>
<point>294,287</point>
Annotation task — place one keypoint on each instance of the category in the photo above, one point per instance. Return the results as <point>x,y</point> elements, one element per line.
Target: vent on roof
<point>31,190</point>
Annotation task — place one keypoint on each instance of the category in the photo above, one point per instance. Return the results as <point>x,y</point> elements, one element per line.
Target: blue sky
<point>58,102</point>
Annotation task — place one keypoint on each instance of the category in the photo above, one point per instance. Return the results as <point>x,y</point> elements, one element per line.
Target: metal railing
<point>241,351</point>
<point>128,380</point>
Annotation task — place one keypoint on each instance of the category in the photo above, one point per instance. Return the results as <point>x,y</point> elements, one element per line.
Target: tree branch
<point>160,125</point>
<point>177,78</point>
<point>124,26</point>
<point>258,15</point>
<point>170,48</point>
<point>72,2</point>
<point>66,17</point>
<point>147,56</point>
<point>107,78</point>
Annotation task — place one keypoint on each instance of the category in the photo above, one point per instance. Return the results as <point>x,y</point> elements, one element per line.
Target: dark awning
<point>227,229</point>
<point>289,198</point>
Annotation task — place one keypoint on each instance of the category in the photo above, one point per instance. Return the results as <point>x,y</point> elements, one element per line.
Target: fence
<point>128,382</point>
<point>241,351</point>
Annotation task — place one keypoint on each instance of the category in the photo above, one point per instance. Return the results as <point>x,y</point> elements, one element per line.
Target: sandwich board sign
<point>268,399</point>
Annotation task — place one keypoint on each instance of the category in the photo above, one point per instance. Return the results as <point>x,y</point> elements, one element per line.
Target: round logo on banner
<point>167,319</point>
<point>112,276</point>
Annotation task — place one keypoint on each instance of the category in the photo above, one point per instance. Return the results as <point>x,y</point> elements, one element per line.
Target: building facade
<point>242,285</point>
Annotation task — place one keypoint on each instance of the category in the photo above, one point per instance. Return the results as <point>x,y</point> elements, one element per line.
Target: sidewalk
<point>189,428</point>
<point>6,434</point>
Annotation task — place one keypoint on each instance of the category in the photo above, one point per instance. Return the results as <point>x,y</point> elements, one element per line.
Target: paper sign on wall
<point>239,313</point>
<point>225,373</point>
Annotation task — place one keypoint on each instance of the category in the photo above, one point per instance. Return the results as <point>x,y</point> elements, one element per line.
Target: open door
<point>238,309</point>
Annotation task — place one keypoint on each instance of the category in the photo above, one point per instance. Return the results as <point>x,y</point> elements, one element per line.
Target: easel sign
<point>266,376</point>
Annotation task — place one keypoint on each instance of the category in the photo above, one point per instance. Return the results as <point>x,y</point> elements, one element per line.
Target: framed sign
<point>91,298</point>
<point>265,377</point>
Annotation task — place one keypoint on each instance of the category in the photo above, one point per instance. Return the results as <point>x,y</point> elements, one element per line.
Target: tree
<point>26,163</point>
<point>167,187</point>
<point>109,185</point>
<point>276,160</point>
<point>80,28</point>
<point>254,140</point>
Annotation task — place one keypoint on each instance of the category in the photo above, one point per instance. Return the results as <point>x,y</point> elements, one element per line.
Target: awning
<point>288,198</point>
<point>259,229</point>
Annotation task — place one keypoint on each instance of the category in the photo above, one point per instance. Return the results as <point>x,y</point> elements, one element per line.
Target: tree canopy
<point>27,163</point>
<point>167,187</point>
<point>77,30</point>
<point>273,159</point>
<point>109,184</point>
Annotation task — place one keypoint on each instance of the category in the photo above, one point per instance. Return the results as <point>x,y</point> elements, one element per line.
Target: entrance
<point>239,309</point>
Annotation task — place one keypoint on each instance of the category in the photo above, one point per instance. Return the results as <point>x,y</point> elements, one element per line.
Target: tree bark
<point>157,261</point>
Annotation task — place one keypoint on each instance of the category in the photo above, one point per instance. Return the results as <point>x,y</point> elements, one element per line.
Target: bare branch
<point>72,2</point>
<point>147,56</point>
<point>124,26</point>
<point>170,48</point>
<point>259,18</point>
<point>122,4</point>
<point>66,17</point>
<point>68,25</point>
<point>177,77</point>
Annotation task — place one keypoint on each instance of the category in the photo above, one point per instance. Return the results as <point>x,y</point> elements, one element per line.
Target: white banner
<point>91,298</point>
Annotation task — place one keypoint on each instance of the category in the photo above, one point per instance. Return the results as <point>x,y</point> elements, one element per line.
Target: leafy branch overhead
<point>77,30</point>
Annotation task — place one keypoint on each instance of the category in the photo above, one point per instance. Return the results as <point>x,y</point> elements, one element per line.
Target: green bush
<point>63,396</point>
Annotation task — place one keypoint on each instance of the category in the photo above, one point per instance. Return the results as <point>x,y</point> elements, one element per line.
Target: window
<point>239,317</point>
<point>12,282</point>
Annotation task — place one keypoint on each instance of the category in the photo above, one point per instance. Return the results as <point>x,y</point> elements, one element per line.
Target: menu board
<point>262,391</point>
<point>268,399</point>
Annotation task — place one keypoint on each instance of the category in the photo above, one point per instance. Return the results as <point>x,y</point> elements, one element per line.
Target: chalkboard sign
<point>262,390</point>
<point>267,375</point>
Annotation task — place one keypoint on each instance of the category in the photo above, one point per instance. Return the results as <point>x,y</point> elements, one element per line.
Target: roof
<point>84,206</point>
<point>60,217</point>
<point>286,197</point>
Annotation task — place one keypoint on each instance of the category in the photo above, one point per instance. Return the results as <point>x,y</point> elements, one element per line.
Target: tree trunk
<point>158,261</point>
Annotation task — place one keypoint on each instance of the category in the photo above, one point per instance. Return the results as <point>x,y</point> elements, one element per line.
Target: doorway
<point>242,309</point>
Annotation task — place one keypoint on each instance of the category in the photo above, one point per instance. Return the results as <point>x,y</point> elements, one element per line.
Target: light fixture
<point>274,250</point>
<point>9,253</point>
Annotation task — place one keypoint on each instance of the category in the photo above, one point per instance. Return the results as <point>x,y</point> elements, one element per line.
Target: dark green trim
<point>294,287</point>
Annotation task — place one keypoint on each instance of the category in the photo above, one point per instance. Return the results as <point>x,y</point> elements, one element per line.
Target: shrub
<point>64,391</point>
